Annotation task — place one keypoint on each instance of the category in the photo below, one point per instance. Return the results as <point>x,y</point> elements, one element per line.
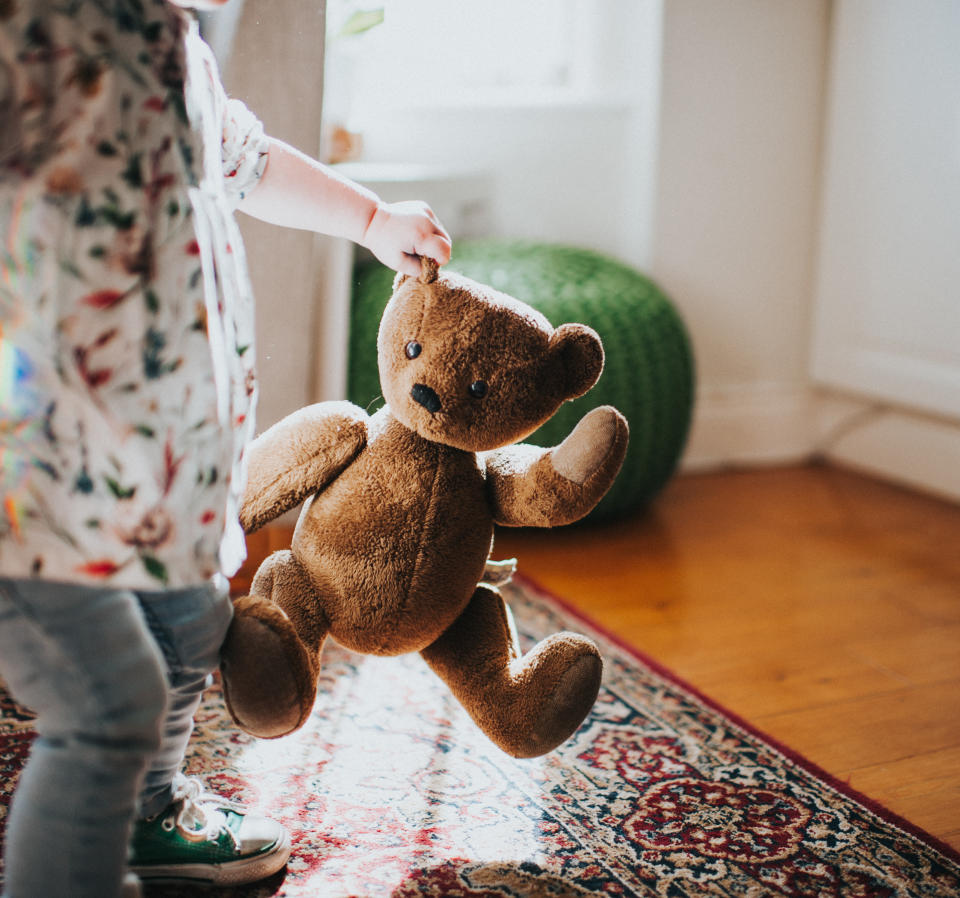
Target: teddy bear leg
<point>526,704</point>
<point>270,660</point>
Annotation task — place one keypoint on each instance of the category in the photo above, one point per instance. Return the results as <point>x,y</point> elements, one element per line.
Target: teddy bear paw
<point>557,683</point>
<point>269,679</point>
<point>595,446</point>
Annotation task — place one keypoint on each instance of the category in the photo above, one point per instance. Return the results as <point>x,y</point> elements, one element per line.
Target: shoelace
<point>200,820</point>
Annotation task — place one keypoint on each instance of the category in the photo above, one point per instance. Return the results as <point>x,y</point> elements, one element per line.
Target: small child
<point>126,394</point>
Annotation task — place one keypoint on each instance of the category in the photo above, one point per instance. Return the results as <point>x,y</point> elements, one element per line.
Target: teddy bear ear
<point>428,270</point>
<point>581,357</point>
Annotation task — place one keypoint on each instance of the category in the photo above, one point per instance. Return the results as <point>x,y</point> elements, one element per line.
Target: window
<point>486,52</point>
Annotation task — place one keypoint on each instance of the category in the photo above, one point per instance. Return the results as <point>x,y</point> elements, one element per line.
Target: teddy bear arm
<point>299,456</point>
<point>533,487</point>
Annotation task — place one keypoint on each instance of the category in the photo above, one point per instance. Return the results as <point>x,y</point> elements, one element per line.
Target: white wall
<point>735,222</point>
<point>887,294</point>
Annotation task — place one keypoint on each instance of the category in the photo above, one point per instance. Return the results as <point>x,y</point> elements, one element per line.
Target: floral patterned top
<point>126,317</point>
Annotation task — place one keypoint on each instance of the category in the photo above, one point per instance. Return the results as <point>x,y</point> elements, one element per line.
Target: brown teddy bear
<point>391,550</point>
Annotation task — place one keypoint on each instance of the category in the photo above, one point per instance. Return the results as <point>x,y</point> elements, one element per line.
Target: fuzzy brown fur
<point>390,553</point>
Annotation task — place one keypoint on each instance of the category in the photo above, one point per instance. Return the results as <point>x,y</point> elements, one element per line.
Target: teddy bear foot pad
<point>273,696</point>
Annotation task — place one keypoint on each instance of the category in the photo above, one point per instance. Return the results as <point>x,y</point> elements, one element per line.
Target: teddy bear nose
<point>426,397</point>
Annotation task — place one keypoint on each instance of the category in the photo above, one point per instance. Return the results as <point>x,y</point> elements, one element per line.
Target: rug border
<point>838,785</point>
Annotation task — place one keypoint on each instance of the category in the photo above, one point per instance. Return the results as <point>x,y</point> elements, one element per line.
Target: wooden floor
<point>822,606</point>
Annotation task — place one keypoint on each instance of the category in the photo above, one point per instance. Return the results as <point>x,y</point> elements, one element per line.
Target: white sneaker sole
<point>131,886</point>
<point>230,873</point>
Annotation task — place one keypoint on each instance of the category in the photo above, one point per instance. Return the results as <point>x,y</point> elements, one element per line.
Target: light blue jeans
<point>114,677</point>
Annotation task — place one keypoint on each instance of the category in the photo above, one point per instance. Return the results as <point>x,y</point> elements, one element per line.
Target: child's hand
<point>399,233</point>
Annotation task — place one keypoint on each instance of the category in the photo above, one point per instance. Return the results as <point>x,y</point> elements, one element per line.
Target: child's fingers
<point>438,225</point>
<point>408,264</point>
<point>427,212</point>
<point>435,246</point>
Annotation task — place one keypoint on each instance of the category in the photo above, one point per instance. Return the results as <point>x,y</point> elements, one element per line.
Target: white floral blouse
<point>126,317</point>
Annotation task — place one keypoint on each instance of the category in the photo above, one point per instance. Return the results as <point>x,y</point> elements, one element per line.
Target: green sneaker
<point>202,838</point>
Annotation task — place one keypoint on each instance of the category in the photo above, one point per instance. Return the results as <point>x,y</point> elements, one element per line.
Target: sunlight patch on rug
<point>412,777</point>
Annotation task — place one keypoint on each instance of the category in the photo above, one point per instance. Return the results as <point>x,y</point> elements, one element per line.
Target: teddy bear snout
<point>426,397</point>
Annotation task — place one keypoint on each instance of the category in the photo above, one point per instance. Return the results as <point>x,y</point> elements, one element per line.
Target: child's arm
<point>300,192</point>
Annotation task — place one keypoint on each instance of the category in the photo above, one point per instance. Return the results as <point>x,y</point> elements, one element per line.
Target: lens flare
<point>19,422</point>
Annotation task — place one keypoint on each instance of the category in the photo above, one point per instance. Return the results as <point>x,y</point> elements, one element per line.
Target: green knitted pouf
<point>648,373</point>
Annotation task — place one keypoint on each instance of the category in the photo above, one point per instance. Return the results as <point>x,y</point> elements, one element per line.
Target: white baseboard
<point>773,424</point>
<point>763,424</point>
<point>913,450</point>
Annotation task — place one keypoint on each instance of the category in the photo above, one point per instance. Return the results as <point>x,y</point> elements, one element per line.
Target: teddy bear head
<point>470,367</point>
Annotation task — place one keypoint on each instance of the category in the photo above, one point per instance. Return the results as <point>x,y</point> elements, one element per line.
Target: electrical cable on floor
<point>856,420</point>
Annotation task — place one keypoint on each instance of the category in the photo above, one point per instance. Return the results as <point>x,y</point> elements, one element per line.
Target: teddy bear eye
<point>478,389</point>
<point>412,349</point>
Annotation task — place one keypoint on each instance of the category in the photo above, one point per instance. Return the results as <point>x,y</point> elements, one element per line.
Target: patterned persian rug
<point>390,791</point>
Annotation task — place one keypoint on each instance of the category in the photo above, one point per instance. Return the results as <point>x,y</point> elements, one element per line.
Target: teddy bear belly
<point>391,575</point>
<point>394,610</point>
<point>399,627</point>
